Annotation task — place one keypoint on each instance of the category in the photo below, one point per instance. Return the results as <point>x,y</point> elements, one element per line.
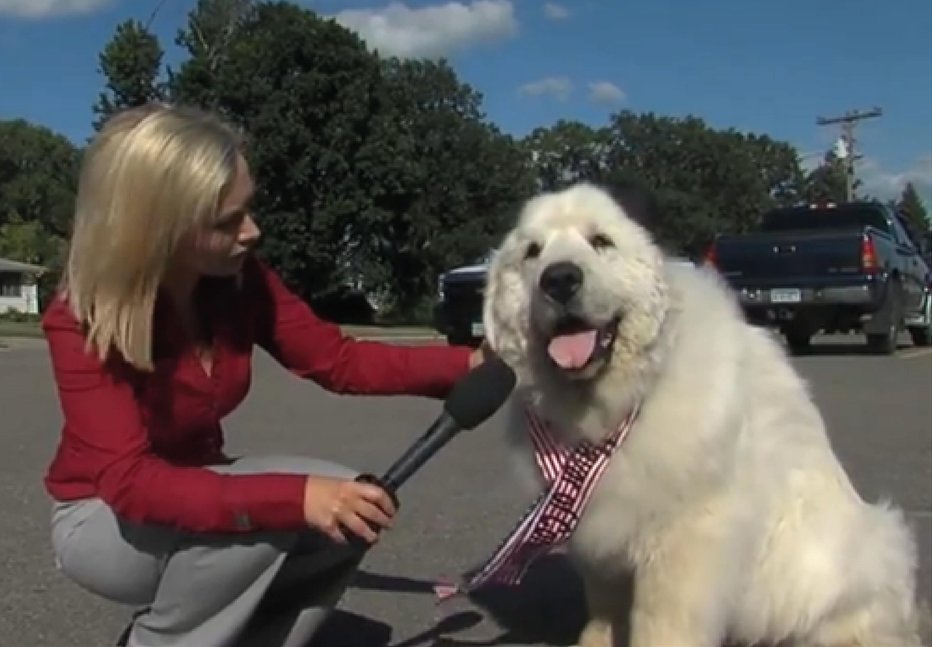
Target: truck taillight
<point>868,255</point>
<point>711,256</point>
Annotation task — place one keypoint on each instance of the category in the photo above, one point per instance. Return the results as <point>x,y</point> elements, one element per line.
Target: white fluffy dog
<point>725,502</point>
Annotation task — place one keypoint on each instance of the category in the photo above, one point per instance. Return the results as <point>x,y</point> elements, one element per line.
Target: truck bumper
<point>844,305</point>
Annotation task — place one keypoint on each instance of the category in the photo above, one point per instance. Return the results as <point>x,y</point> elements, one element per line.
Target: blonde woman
<point>151,337</point>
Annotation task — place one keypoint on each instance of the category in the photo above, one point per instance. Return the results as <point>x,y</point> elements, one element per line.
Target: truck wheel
<point>922,335</point>
<point>799,341</point>
<point>885,343</point>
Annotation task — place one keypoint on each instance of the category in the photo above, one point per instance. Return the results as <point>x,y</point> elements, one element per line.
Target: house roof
<point>7,265</point>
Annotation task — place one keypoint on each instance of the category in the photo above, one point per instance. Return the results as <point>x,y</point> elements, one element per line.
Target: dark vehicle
<point>847,267</point>
<point>458,312</point>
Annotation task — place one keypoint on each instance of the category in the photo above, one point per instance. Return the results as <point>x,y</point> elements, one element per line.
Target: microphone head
<point>480,393</point>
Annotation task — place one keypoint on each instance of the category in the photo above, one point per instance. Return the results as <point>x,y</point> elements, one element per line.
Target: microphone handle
<point>437,435</point>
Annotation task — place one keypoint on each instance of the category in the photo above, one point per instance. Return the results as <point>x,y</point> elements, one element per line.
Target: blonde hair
<point>152,174</point>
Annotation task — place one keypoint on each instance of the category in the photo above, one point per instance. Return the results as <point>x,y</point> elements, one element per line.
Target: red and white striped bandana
<point>571,474</point>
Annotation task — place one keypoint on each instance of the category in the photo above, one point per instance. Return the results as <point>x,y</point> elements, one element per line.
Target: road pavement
<point>453,512</point>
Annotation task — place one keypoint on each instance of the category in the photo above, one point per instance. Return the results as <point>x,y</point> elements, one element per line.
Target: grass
<point>390,331</point>
<point>20,329</point>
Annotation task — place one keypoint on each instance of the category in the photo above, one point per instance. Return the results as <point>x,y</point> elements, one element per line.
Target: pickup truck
<point>831,267</point>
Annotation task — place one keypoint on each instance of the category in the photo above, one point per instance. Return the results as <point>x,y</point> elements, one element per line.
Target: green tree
<point>706,180</point>
<point>132,64</point>
<point>567,152</point>
<point>916,216</point>
<point>827,182</point>
<point>304,90</point>
<point>38,180</point>
<point>28,242</point>
<point>445,181</point>
<point>381,173</point>
<point>211,31</point>
<point>38,176</point>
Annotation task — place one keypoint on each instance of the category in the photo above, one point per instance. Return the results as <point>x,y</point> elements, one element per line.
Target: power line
<point>848,122</point>
<point>155,12</point>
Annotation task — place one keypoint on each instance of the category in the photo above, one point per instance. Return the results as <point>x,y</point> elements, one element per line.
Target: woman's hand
<point>334,505</point>
<point>482,353</point>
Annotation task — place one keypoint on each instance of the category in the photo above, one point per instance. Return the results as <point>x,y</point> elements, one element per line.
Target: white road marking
<point>913,353</point>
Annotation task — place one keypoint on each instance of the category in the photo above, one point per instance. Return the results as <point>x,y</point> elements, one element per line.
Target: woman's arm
<point>106,441</point>
<point>315,349</point>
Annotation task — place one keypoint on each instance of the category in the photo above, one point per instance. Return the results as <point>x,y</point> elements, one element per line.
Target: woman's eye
<point>532,251</point>
<point>231,222</point>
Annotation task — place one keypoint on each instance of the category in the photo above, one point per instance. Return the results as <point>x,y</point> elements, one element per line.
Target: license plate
<point>785,295</point>
<point>478,330</point>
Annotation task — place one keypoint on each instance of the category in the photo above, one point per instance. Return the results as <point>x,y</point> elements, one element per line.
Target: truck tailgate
<point>784,257</point>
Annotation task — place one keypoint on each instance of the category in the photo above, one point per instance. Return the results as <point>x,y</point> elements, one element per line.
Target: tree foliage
<point>828,182</point>
<point>132,64</point>
<point>304,90</point>
<point>38,175</point>
<point>567,152</point>
<point>706,180</point>
<point>444,179</point>
<point>376,174</point>
<point>916,216</point>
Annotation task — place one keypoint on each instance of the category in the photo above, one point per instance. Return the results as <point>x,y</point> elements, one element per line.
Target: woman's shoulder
<point>61,325</point>
<point>59,315</point>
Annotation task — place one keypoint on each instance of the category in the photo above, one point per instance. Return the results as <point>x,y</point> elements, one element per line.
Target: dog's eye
<point>532,251</point>
<point>601,241</point>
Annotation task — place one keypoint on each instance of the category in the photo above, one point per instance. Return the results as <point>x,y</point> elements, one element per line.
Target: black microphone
<point>474,399</point>
<point>471,401</point>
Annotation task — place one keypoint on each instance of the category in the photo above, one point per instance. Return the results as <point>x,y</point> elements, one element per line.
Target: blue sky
<point>769,67</point>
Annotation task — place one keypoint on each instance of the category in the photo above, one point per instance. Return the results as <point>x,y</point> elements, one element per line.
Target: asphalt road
<point>453,512</point>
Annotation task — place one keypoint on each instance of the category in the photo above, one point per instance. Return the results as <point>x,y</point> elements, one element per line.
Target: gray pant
<point>264,588</point>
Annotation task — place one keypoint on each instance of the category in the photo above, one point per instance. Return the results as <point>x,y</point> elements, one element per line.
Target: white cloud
<point>605,92</point>
<point>432,31</point>
<point>810,160</point>
<point>556,86</point>
<point>887,184</point>
<point>49,8</point>
<point>556,11</point>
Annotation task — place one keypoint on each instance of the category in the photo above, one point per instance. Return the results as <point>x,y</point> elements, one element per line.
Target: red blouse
<point>139,440</point>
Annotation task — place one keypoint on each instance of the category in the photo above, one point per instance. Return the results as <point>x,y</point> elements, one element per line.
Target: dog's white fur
<point>726,501</point>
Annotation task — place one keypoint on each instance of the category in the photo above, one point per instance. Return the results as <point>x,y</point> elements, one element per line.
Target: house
<point>18,289</point>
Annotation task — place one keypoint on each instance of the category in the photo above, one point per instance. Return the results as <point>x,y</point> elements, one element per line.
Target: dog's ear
<point>638,201</point>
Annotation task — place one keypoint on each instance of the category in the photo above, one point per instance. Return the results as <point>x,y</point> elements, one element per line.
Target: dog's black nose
<point>561,281</point>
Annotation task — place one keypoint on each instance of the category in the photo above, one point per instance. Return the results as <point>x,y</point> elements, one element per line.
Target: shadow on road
<point>345,629</point>
<point>548,607</point>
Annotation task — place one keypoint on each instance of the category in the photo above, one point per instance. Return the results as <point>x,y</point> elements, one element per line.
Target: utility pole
<point>848,122</point>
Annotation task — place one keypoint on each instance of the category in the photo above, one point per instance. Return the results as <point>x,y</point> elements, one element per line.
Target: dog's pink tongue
<point>572,351</point>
